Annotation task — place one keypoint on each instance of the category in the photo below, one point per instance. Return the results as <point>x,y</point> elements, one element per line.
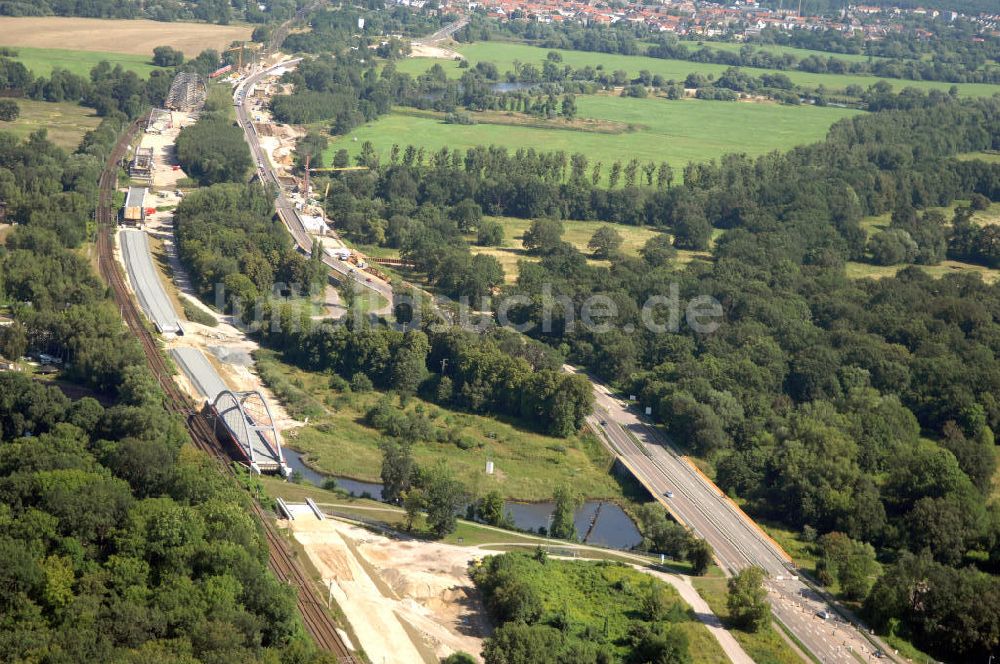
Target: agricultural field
<point>41,61</point>
<point>133,37</point>
<point>505,53</point>
<point>529,465</point>
<point>66,123</point>
<point>653,129</point>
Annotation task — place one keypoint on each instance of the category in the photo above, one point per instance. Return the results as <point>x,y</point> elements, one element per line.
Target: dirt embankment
<point>406,601</point>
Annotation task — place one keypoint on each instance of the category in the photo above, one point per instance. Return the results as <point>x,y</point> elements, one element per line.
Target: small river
<point>603,523</point>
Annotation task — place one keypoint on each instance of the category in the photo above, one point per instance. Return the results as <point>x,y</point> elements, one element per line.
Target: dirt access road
<point>407,597</point>
<point>407,601</point>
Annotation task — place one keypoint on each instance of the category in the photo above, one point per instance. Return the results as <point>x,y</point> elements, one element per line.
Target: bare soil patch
<point>406,601</point>
<point>118,36</point>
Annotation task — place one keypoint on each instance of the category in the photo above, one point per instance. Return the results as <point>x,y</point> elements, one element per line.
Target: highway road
<point>285,209</point>
<point>444,33</point>
<point>738,542</point>
<point>696,501</point>
<point>145,281</point>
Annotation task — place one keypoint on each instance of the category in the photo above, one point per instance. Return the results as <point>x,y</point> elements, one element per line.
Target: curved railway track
<point>280,561</point>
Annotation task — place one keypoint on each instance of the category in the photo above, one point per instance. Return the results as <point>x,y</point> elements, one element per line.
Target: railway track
<point>280,561</point>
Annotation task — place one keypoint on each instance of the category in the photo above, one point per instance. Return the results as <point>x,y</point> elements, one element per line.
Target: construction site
<point>215,363</point>
<point>407,601</point>
<point>187,92</point>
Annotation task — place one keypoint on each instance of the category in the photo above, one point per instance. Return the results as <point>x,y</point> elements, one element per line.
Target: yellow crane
<point>331,169</point>
<point>241,48</point>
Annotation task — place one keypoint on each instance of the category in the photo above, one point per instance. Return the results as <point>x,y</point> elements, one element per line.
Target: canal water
<point>602,523</point>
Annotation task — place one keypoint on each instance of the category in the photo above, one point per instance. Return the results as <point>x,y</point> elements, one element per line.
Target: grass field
<point>41,61</point>
<point>505,53</point>
<point>881,222</point>
<point>577,233</point>
<point>988,157</point>
<point>678,132</point>
<point>135,37</point>
<point>66,123</point>
<point>529,466</point>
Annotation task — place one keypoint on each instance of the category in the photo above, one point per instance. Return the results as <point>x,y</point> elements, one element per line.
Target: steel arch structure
<point>248,421</point>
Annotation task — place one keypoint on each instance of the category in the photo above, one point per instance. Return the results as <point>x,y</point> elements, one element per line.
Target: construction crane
<point>241,48</point>
<point>332,169</point>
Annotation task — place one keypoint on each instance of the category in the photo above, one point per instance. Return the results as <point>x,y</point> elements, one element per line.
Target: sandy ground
<point>223,341</point>
<point>419,50</point>
<point>688,593</point>
<point>390,587</point>
<point>118,36</point>
<point>406,601</point>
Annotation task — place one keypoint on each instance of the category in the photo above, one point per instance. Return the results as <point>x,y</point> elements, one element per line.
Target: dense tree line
<point>213,150</point>
<point>860,407</point>
<point>119,544</point>
<point>491,374</point>
<point>234,247</point>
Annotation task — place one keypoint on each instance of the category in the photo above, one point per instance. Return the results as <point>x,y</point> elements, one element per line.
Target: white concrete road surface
<point>145,281</point>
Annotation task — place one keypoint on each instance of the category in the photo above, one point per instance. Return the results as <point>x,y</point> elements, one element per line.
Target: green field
<point>881,222</point>
<point>607,599</point>
<point>66,123</point>
<point>577,233</point>
<point>679,132</point>
<point>505,53</point>
<point>41,61</point>
<point>529,466</point>
<point>988,157</point>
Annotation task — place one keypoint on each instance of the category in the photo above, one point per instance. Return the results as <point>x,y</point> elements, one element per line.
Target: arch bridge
<point>246,422</point>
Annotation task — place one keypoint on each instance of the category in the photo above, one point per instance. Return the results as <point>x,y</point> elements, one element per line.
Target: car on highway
<point>668,494</point>
<point>368,279</point>
<point>823,615</point>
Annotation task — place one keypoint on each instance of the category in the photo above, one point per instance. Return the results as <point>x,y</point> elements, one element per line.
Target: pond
<point>597,522</point>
